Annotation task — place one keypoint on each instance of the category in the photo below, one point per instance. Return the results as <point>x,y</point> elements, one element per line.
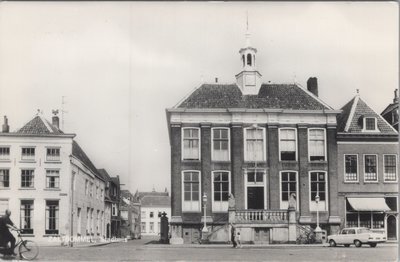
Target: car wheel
<point>372,245</point>
<point>357,243</point>
<point>332,243</point>
<point>346,245</point>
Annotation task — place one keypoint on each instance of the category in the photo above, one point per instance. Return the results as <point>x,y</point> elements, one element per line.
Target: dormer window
<point>370,124</point>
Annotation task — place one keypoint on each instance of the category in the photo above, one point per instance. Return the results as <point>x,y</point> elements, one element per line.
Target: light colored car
<point>356,236</point>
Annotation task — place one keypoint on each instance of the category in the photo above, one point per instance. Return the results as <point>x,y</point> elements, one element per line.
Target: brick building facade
<point>367,169</point>
<point>262,143</point>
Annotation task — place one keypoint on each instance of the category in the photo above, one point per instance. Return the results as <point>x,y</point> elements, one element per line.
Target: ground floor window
<point>143,224</point>
<point>288,187</point>
<point>151,227</point>
<point>318,186</point>
<point>26,216</point>
<point>221,190</point>
<point>191,191</point>
<point>52,214</point>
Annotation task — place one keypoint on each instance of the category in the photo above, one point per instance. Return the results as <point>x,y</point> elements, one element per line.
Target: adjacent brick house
<point>391,112</point>
<point>260,142</point>
<point>49,183</point>
<point>367,169</point>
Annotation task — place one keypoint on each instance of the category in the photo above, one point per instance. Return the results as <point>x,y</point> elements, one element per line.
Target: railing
<point>264,216</point>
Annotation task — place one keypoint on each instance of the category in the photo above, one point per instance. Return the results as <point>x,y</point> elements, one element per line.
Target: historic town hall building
<point>262,143</point>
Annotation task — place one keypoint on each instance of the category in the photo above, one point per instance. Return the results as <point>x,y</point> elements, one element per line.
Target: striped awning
<point>368,204</point>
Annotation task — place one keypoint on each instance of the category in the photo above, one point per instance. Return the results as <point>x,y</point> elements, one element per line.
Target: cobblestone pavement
<point>143,250</point>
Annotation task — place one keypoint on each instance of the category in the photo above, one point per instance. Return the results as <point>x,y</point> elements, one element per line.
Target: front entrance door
<point>255,197</point>
<point>391,227</point>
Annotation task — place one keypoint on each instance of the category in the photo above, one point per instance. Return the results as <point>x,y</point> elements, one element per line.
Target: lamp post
<point>204,230</point>
<point>317,229</point>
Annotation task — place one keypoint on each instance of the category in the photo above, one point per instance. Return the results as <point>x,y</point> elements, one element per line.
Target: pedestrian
<point>233,237</point>
<point>238,243</point>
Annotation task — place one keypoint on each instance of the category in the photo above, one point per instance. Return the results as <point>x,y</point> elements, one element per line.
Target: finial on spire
<point>247,30</point>
<point>247,21</point>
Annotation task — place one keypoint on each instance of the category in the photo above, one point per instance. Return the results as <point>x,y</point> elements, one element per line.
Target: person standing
<point>233,236</point>
<point>238,242</point>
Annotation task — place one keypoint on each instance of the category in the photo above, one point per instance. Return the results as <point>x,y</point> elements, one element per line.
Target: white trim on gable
<point>351,114</point>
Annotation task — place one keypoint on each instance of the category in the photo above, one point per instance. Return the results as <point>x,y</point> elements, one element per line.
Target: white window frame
<point>282,204</point>
<point>397,166</point>
<point>190,209</point>
<point>377,168</point>
<point>5,157</point>
<point>344,169</point>
<point>264,184</point>
<point>220,206</point>
<point>9,177</point>
<point>54,159</point>
<point>50,170</point>
<point>182,143</point>
<point>295,138</point>
<point>364,129</point>
<point>28,158</point>
<point>313,204</point>
<point>212,143</point>
<point>308,142</point>
<point>245,144</point>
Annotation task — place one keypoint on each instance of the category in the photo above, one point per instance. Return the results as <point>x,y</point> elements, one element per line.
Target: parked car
<point>356,236</point>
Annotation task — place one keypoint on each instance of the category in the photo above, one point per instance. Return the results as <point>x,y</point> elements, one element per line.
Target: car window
<point>344,232</point>
<point>351,231</point>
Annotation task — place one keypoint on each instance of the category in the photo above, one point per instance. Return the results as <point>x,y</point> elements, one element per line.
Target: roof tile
<point>275,96</point>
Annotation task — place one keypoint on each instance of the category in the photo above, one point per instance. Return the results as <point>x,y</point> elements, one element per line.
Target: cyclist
<point>5,224</point>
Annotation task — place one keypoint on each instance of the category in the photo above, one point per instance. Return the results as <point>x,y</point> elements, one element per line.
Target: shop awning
<point>368,204</point>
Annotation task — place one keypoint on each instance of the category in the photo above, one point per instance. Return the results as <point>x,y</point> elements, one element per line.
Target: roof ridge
<point>312,95</point>
<point>46,123</point>
<point>187,96</point>
<point>352,111</point>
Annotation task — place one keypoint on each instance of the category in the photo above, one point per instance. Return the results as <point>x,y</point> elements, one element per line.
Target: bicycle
<point>27,249</point>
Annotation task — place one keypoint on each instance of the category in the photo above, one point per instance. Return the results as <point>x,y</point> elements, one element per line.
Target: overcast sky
<point>119,65</point>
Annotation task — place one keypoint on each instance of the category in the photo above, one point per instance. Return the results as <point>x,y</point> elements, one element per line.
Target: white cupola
<point>249,79</point>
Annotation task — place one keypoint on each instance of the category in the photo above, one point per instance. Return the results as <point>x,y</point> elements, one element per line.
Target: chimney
<point>6,127</point>
<point>312,85</point>
<point>396,96</point>
<point>55,119</point>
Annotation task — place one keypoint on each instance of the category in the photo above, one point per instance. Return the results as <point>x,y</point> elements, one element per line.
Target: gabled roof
<point>274,96</point>
<point>78,152</point>
<point>390,108</point>
<point>156,201</point>
<point>39,126</point>
<point>154,198</point>
<point>350,120</point>
<point>104,174</point>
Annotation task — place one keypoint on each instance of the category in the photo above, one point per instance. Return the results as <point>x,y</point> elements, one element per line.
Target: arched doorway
<point>391,227</point>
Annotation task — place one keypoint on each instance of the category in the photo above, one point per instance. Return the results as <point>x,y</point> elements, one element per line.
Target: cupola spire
<point>249,79</point>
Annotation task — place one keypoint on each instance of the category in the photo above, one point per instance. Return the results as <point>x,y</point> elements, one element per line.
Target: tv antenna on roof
<point>62,111</point>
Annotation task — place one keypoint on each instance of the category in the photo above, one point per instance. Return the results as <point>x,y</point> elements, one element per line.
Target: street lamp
<point>317,229</point>
<point>204,230</point>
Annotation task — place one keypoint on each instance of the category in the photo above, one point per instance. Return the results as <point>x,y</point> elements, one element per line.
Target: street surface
<point>143,250</point>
